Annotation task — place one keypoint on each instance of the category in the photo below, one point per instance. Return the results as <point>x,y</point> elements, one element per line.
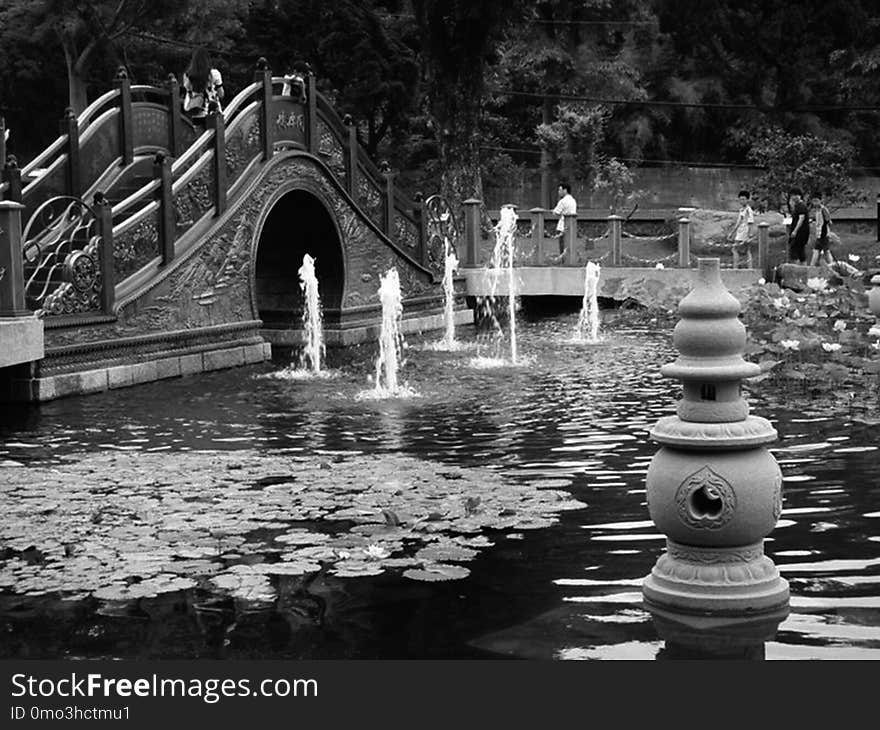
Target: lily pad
<point>436,572</point>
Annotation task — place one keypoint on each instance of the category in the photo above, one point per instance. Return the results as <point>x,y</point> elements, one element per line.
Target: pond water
<point>500,512</point>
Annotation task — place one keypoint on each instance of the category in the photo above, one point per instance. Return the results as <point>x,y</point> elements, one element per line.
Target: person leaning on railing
<point>202,85</point>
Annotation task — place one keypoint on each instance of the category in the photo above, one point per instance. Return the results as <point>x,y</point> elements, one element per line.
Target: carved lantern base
<point>733,581</point>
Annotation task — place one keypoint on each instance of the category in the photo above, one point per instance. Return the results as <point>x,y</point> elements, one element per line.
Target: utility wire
<point>685,104</point>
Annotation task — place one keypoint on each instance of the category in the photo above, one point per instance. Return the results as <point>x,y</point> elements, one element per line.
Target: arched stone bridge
<point>186,256</point>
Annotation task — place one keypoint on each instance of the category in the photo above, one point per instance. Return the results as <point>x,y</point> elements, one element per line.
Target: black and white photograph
<point>440,331</point>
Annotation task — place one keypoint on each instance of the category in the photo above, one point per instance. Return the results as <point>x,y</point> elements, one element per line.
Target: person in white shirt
<point>743,229</point>
<point>567,205</point>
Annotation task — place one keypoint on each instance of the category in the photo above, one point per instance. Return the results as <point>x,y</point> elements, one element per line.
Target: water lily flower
<point>376,551</point>
<point>790,344</point>
<point>854,257</point>
<point>875,331</point>
<point>659,266</point>
<point>830,346</point>
<point>762,281</point>
<point>796,313</point>
<point>817,283</point>
<point>779,302</point>
<point>839,325</point>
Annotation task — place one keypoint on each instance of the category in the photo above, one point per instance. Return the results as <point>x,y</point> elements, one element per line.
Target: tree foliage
<point>805,161</point>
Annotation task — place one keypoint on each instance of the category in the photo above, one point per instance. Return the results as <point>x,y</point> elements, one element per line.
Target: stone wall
<point>666,187</point>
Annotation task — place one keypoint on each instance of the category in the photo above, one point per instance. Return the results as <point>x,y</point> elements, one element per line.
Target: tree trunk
<point>458,137</point>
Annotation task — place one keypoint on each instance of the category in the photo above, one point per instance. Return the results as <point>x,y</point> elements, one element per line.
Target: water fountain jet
<point>314,350</point>
<point>588,321</point>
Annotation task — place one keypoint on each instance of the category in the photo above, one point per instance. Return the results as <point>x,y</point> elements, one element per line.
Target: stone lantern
<point>713,488</point>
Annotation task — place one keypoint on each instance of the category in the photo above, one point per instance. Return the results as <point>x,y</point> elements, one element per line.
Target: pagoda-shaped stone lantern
<point>713,488</point>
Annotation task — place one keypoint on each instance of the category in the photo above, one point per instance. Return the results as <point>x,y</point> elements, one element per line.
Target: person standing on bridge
<point>203,85</point>
<point>567,205</point>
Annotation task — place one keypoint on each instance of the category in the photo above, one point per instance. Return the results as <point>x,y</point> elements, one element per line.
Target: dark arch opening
<point>298,224</point>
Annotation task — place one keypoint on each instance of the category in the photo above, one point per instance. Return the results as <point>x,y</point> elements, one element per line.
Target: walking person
<point>567,205</point>
<point>743,229</point>
<point>203,85</point>
<point>799,228</point>
<point>822,246</point>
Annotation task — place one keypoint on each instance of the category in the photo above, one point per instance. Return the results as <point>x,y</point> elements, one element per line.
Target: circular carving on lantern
<point>80,270</point>
<point>705,500</point>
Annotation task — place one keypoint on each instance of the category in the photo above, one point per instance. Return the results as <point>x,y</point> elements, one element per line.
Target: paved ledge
<point>618,282</point>
<point>123,376</point>
<point>21,340</point>
<point>366,333</point>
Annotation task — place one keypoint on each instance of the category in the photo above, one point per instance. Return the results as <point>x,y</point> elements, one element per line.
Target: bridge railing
<point>541,242</point>
<point>192,175</point>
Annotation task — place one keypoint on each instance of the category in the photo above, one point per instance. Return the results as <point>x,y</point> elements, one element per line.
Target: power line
<point>637,160</point>
<point>594,22</point>
<point>685,104</point>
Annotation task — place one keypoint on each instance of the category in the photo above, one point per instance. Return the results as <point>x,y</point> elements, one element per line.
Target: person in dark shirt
<point>799,228</point>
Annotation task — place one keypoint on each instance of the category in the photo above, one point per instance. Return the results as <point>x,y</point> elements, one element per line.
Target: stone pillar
<point>70,127</point>
<point>713,488</point>
<point>12,176</point>
<point>126,124</point>
<point>537,215</point>
<point>218,124</point>
<point>763,247</point>
<point>684,243</point>
<point>388,195</point>
<point>351,155</point>
<point>263,76</point>
<point>472,232</point>
<point>615,226</point>
<point>11,263</point>
<point>175,120</point>
<point>167,229</point>
<point>418,214</point>
<point>311,114</point>
<point>104,213</point>
<point>569,238</point>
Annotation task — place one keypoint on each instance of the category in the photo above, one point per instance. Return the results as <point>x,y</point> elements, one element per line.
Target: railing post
<point>388,218</point>
<point>569,237</point>
<point>218,124</point>
<point>3,143</point>
<point>12,175</point>
<point>418,213</point>
<point>263,76</point>
<point>472,231</point>
<point>615,225</point>
<point>167,229</point>
<point>108,268</point>
<point>878,216</point>
<point>312,141</point>
<point>70,127</point>
<point>351,154</point>
<point>684,243</point>
<point>763,246</point>
<point>126,128</point>
<point>537,215</point>
<point>11,262</point>
<point>175,121</point>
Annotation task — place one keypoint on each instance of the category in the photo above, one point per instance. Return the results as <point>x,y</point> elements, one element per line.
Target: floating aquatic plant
<point>133,525</point>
